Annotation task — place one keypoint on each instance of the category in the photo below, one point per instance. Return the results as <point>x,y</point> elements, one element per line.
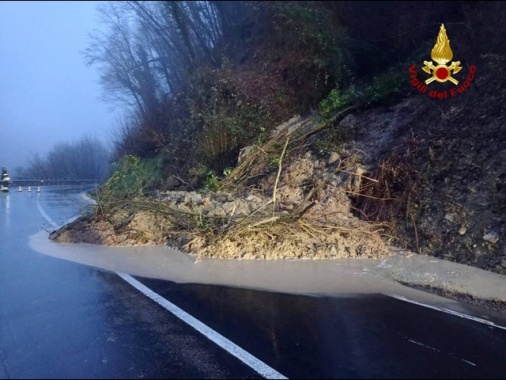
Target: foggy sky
<point>47,94</point>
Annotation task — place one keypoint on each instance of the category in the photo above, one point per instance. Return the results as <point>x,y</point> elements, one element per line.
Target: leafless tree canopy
<point>85,158</point>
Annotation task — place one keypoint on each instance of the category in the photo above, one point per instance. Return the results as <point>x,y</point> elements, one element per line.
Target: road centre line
<point>233,349</point>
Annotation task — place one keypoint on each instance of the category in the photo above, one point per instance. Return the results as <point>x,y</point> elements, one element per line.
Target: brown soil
<point>123,229</point>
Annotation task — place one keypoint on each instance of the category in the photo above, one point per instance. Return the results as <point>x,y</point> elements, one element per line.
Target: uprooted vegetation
<point>299,208</point>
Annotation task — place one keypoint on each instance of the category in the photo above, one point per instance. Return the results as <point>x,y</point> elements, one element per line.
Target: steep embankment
<point>444,162</point>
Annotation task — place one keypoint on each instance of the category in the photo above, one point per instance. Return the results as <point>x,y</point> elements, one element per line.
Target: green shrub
<point>384,87</point>
<point>213,182</point>
<point>334,102</point>
<point>309,50</point>
<point>131,177</point>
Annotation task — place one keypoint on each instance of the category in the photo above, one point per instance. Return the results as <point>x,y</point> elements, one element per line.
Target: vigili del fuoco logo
<point>441,72</point>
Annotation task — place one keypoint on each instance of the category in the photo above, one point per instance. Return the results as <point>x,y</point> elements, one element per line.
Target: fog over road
<point>62,319</point>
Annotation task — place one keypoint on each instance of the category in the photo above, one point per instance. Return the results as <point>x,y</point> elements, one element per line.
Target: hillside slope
<point>431,175</point>
<point>445,162</point>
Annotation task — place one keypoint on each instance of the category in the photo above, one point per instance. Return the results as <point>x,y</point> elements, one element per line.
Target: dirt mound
<point>327,228</point>
<point>298,210</point>
<point>122,229</point>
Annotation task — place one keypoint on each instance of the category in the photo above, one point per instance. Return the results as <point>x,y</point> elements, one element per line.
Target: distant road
<point>60,319</point>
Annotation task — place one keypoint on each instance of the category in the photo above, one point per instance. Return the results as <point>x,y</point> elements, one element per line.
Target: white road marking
<point>448,311</point>
<point>87,198</point>
<point>435,349</point>
<point>423,345</point>
<point>43,213</point>
<point>244,356</point>
<point>468,362</point>
<point>233,349</point>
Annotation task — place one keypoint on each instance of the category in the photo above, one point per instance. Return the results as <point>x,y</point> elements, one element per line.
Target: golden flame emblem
<point>442,54</point>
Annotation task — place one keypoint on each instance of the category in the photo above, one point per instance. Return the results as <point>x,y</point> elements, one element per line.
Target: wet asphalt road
<point>59,319</point>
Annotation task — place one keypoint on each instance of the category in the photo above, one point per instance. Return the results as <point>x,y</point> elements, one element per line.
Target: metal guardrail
<point>52,182</point>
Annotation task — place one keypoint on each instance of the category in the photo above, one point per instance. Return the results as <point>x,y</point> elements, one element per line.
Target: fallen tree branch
<point>280,164</point>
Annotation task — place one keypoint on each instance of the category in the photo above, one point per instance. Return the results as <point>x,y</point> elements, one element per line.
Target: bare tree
<point>149,59</point>
<point>114,52</point>
<point>151,48</point>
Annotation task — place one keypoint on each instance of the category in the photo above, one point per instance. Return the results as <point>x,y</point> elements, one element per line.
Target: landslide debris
<point>298,208</point>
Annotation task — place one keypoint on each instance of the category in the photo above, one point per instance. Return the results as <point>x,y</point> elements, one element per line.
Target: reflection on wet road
<point>344,337</point>
<point>62,319</point>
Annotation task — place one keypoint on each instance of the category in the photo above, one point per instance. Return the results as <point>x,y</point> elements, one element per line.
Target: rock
<point>229,207</point>
<point>462,230</point>
<point>312,246</point>
<point>172,182</point>
<point>222,197</point>
<point>197,199</point>
<point>218,211</point>
<point>449,217</point>
<point>491,237</point>
<point>290,126</point>
<point>334,157</point>
<point>254,199</point>
<point>179,197</point>
<point>243,153</point>
<point>184,208</point>
<point>241,208</point>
